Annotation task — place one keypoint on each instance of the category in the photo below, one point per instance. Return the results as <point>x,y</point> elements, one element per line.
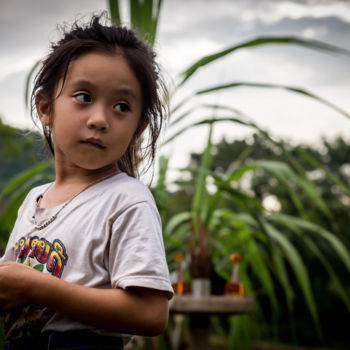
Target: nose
<point>98,119</point>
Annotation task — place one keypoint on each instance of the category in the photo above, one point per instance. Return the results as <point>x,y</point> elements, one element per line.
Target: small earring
<point>47,129</point>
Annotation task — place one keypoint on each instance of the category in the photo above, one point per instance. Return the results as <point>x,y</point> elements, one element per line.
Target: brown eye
<point>83,97</point>
<point>121,107</point>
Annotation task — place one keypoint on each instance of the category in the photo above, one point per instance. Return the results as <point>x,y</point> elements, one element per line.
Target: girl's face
<point>96,114</point>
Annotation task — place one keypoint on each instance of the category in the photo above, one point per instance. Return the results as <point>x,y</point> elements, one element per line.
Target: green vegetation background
<point>21,150</point>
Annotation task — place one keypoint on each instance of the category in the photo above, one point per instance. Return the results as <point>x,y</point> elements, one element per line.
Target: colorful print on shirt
<point>39,253</point>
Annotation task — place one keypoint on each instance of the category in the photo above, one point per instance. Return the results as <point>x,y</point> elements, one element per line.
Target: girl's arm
<point>140,311</point>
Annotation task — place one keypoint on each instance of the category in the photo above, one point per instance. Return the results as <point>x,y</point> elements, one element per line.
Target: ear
<point>43,109</point>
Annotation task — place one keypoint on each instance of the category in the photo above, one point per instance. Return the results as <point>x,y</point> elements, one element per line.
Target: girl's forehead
<point>104,70</point>
<point>101,63</point>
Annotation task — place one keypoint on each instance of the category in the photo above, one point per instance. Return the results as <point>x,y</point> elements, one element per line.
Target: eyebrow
<point>121,91</point>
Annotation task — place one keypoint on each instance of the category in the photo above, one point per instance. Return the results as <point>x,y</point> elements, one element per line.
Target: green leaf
<point>336,284</point>
<point>114,12</point>
<point>280,170</point>
<point>275,86</point>
<point>258,265</point>
<point>213,204</point>
<point>330,176</point>
<point>285,174</point>
<point>147,20</point>
<point>176,221</point>
<point>155,20</point>
<point>295,226</point>
<point>27,83</point>
<point>298,267</point>
<point>182,116</point>
<point>283,279</point>
<point>216,107</point>
<point>144,16</point>
<point>313,193</point>
<point>199,203</point>
<point>9,215</point>
<point>209,122</point>
<point>18,187</point>
<point>247,218</point>
<point>21,178</point>
<point>238,194</point>
<point>160,191</point>
<point>39,267</point>
<point>333,240</point>
<point>309,44</point>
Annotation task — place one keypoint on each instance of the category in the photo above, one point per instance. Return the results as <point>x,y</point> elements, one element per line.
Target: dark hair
<point>96,37</point>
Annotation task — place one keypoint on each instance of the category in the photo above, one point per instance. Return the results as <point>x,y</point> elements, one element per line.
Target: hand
<point>16,280</point>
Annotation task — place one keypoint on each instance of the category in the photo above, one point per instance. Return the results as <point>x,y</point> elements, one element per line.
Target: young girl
<point>85,264</point>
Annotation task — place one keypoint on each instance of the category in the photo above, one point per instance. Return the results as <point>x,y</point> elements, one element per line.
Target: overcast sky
<point>190,29</point>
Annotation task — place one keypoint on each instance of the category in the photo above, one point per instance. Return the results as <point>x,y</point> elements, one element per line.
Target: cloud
<point>27,26</point>
<point>12,100</point>
<point>211,33</point>
<point>190,29</point>
<point>330,29</point>
<point>313,2</point>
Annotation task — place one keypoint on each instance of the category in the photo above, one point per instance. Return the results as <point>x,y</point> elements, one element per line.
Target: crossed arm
<point>139,311</point>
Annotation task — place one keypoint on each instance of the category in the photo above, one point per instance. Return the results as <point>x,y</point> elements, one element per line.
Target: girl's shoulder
<point>125,185</point>
<point>114,196</point>
<point>130,183</point>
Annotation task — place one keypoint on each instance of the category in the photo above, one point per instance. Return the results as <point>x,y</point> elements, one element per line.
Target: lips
<point>94,142</point>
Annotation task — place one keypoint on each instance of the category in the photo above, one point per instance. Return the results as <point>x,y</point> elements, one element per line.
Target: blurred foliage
<point>19,150</point>
<point>284,245</point>
<point>23,166</point>
<point>331,157</point>
<point>144,16</point>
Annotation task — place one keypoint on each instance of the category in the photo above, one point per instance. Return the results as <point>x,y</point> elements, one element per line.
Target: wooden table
<point>200,309</point>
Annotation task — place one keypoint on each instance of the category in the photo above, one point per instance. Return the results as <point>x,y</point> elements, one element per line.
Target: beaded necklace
<point>53,217</point>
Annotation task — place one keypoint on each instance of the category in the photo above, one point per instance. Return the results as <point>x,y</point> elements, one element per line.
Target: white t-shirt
<point>109,236</point>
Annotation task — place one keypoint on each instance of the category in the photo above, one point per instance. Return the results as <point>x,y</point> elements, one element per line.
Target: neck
<point>69,184</point>
<point>67,176</point>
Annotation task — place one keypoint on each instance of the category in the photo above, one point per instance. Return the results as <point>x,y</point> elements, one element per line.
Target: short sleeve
<point>136,256</point>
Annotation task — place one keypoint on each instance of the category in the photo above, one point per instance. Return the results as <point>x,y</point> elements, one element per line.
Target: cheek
<point>128,128</point>
<point>65,118</point>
